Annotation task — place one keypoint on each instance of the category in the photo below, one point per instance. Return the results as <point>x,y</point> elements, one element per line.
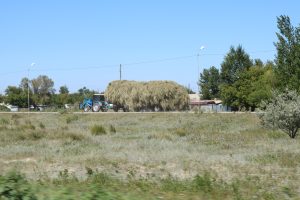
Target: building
<point>207,105</point>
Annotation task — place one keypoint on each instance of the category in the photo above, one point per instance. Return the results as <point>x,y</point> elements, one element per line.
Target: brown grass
<point>229,146</point>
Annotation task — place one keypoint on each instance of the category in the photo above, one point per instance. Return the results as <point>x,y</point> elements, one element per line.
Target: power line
<point>133,63</point>
<point>75,68</point>
<point>14,72</point>
<point>160,60</point>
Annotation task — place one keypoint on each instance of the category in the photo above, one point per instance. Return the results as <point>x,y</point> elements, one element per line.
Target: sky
<point>82,43</point>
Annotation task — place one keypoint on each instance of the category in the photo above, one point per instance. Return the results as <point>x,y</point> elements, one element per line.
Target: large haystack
<point>162,95</point>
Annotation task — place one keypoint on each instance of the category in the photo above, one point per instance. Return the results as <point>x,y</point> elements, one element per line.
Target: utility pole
<point>120,72</point>
<point>28,101</point>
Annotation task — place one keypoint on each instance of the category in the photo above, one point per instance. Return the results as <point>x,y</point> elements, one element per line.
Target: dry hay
<point>161,95</point>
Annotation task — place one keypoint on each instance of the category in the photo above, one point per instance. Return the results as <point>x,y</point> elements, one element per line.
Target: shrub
<point>98,130</point>
<point>112,129</point>
<point>4,109</point>
<point>181,132</point>
<point>3,121</point>
<point>14,186</point>
<point>42,126</point>
<point>282,112</point>
<point>204,183</point>
<point>71,118</point>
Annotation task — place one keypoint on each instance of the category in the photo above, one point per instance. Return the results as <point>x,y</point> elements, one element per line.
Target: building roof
<point>196,100</point>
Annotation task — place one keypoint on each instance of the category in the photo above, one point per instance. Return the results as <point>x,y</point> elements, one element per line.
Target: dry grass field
<point>151,156</point>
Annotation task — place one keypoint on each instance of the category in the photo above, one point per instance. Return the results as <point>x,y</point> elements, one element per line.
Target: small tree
<point>283,112</point>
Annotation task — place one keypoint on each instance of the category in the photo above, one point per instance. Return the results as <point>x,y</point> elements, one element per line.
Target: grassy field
<point>149,156</point>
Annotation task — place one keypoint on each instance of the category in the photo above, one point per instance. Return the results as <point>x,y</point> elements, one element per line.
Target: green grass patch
<point>71,118</point>
<point>112,129</point>
<point>284,159</point>
<point>98,130</point>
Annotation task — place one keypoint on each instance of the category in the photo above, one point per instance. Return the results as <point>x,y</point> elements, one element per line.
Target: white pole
<point>198,60</point>
<point>28,81</point>
<point>28,102</point>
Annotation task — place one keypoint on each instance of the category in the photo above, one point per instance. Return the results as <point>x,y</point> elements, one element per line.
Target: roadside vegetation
<point>146,155</point>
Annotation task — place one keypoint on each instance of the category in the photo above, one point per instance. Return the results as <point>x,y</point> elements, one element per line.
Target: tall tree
<point>43,89</point>
<point>63,90</point>
<point>209,83</point>
<point>288,54</point>
<point>16,96</point>
<point>235,62</point>
<point>43,85</point>
<point>24,84</point>
<point>253,86</point>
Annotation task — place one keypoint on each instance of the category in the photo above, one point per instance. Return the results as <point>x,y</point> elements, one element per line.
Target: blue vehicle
<point>97,103</point>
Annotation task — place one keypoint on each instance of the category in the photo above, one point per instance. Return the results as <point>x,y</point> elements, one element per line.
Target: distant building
<point>207,105</point>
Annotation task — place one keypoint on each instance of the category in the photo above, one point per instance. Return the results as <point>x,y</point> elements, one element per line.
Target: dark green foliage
<point>253,87</point>
<point>244,85</point>
<point>4,109</point>
<point>209,83</point>
<point>63,90</point>
<point>98,130</point>
<point>204,183</point>
<point>235,62</point>
<point>16,96</point>
<point>288,55</point>
<point>101,186</point>
<point>14,186</point>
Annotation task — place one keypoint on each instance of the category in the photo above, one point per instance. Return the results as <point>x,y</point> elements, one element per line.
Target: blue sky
<point>82,43</point>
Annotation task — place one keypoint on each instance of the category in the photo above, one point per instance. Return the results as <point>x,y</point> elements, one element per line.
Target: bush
<point>4,121</point>
<point>283,112</point>
<point>4,109</point>
<point>112,129</point>
<point>14,186</point>
<point>41,125</point>
<point>98,130</point>
<point>71,118</point>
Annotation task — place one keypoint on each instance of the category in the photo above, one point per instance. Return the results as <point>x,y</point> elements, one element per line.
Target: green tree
<point>16,96</point>
<point>209,83</point>
<point>62,98</point>
<point>288,55</point>
<point>253,86</point>
<point>24,84</point>
<point>235,62</point>
<point>189,90</point>
<point>43,85</point>
<point>43,89</point>
<point>63,90</point>
<point>85,92</point>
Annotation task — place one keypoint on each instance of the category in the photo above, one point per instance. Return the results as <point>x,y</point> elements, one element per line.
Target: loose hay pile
<point>152,95</point>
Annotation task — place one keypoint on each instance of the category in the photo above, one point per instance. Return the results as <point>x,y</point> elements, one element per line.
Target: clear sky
<point>81,43</point>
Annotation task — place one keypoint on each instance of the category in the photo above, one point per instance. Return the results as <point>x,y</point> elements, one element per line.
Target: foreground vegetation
<point>146,156</point>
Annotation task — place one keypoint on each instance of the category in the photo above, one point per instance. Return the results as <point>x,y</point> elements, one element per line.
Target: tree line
<point>243,83</point>
<point>41,92</point>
